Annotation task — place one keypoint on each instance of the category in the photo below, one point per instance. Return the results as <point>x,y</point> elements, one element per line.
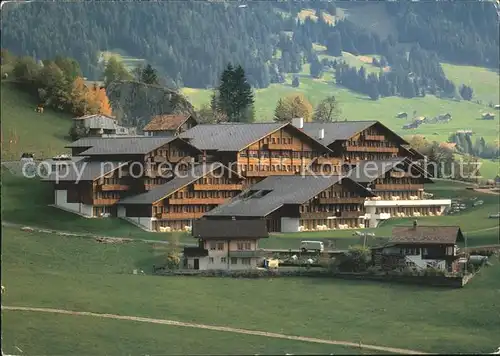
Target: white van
<point>312,246</point>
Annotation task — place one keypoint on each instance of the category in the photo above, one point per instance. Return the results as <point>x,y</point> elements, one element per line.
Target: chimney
<point>414,224</point>
<point>321,134</point>
<point>298,122</point>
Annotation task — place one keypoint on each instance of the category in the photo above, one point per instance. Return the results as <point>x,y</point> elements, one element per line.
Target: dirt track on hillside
<point>217,328</point>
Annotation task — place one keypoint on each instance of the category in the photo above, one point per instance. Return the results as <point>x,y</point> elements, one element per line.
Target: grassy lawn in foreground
<point>82,275</point>
<point>45,134</point>
<point>39,333</point>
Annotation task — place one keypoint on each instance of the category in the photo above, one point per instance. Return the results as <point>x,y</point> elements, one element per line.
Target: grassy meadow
<point>45,134</point>
<point>355,106</point>
<point>42,270</point>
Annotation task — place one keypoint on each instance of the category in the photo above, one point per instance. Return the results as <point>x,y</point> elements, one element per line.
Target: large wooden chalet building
<point>296,176</point>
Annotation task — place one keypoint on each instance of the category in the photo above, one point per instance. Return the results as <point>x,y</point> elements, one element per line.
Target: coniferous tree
<point>234,95</point>
<point>149,75</point>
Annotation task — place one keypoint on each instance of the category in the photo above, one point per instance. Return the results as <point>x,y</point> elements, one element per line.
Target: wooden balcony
<point>331,214</point>
<point>281,146</point>
<point>351,148</point>
<point>318,215</point>
<point>176,159</point>
<point>351,214</point>
<point>341,200</point>
<point>114,187</point>
<point>327,160</point>
<point>178,216</point>
<point>267,173</point>
<point>197,201</point>
<point>397,174</point>
<point>398,186</point>
<point>218,186</point>
<point>374,138</point>
<point>159,159</point>
<point>107,201</point>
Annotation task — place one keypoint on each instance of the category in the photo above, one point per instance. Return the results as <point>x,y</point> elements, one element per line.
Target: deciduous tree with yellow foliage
<point>293,106</point>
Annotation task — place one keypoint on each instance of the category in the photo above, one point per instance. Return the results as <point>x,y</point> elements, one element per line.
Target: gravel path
<point>218,328</point>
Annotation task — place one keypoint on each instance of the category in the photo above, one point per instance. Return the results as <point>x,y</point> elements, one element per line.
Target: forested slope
<point>192,41</point>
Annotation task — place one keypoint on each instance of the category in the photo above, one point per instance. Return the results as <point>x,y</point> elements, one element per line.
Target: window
<point>222,260</point>
<point>234,261</point>
<point>210,260</point>
<point>243,245</point>
<point>220,246</point>
<point>245,261</point>
<point>212,245</point>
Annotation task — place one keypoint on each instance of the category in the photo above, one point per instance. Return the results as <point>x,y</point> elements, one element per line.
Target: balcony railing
<point>178,216</point>
<point>351,214</point>
<point>398,186</point>
<point>355,200</point>
<point>280,146</point>
<point>352,148</point>
<point>267,173</point>
<point>331,214</point>
<point>327,160</point>
<point>106,201</point>
<point>218,186</point>
<point>374,138</point>
<point>114,187</point>
<point>197,201</point>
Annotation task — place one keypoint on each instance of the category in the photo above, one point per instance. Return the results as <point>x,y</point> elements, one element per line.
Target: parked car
<point>494,216</point>
<point>312,246</point>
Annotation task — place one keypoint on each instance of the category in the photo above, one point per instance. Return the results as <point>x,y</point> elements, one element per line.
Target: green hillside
<point>45,134</point>
<point>355,106</point>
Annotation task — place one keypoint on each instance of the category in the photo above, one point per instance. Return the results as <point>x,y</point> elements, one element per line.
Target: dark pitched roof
<point>230,229</point>
<point>84,171</point>
<point>166,122</point>
<point>341,130</point>
<point>228,137</point>
<point>235,137</point>
<point>426,235</point>
<point>123,145</point>
<point>263,198</point>
<point>181,180</point>
<point>127,145</point>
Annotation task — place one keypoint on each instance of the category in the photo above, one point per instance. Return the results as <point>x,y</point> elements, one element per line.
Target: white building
<point>226,245</point>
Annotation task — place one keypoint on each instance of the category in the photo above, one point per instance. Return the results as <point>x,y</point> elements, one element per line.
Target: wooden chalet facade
<point>169,125</point>
<point>96,185</point>
<point>278,165</point>
<point>257,151</point>
<point>173,206</point>
<point>226,245</point>
<point>299,203</point>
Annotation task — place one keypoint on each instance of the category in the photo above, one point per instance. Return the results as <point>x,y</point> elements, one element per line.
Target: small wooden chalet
<point>169,125</point>
<point>299,203</point>
<point>226,245</point>
<point>420,247</point>
<point>100,125</point>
